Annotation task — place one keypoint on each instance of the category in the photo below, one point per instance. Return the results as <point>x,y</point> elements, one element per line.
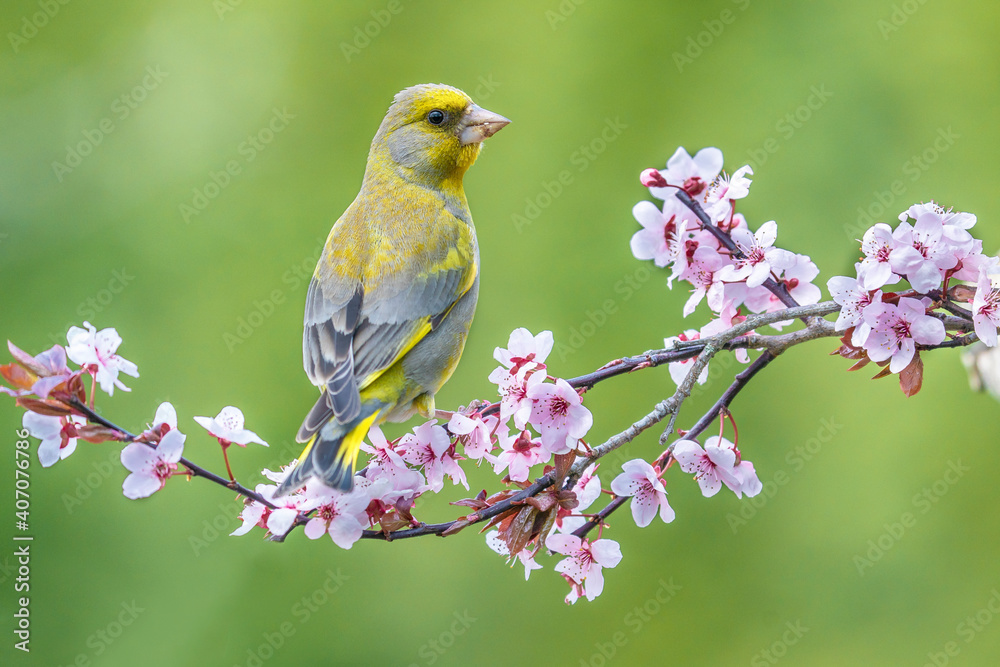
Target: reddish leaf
<point>520,531</point>
<point>912,377</point>
<point>96,433</point>
<point>17,377</point>
<point>46,407</point>
<point>458,525</point>
<point>962,293</point>
<point>885,372</point>
<point>563,463</point>
<point>477,503</point>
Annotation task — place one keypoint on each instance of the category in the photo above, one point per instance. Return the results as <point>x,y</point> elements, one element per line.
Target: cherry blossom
<point>986,308</point>
<point>758,250</point>
<point>97,351</point>
<point>897,329</point>
<point>513,388</point>
<point>386,460</point>
<point>57,434</point>
<point>853,297</point>
<point>875,270</point>
<point>526,557</point>
<point>151,467</point>
<point>716,465</point>
<point>921,254</point>
<point>557,412</point>
<point>664,234</point>
<point>340,515</point>
<point>474,433</point>
<point>679,369</point>
<point>694,174</point>
<point>525,350</point>
<point>640,481</point>
<point>429,446</point>
<point>588,490</point>
<point>37,375</point>
<point>227,426</point>
<point>704,273</point>
<point>518,454</point>
<point>585,562</point>
<point>725,189</point>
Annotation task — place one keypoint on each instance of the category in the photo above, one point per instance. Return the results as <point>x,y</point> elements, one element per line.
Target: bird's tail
<point>331,453</point>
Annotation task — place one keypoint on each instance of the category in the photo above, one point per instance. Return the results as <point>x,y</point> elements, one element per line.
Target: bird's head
<point>432,134</point>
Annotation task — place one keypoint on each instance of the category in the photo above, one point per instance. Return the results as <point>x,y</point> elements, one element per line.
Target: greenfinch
<point>391,301</point>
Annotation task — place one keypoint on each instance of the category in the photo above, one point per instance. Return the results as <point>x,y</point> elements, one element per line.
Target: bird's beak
<point>477,124</point>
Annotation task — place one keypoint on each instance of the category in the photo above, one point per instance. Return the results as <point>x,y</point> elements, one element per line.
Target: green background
<point>894,89</point>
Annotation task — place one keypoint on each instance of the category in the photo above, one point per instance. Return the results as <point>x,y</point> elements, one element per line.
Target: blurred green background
<point>842,108</point>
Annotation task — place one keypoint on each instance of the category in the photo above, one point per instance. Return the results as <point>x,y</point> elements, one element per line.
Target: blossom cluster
<point>930,248</point>
<point>538,428</point>
<point>728,277</point>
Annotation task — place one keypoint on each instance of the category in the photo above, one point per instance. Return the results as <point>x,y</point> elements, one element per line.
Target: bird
<point>389,306</point>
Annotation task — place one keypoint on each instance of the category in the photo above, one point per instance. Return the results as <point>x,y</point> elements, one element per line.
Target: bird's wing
<point>353,333</point>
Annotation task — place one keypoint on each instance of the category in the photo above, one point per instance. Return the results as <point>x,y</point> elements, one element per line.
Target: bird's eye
<point>435,117</point>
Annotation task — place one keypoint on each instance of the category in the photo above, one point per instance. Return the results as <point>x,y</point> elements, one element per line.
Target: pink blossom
<point>921,253</point>
<point>853,297</point>
<point>49,367</point>
<point>474,433</point>
<point>758,253</point>
<point>557,412</point>
<point>526,557</point>
<point>151,468</point>
<point>986,308</point>
<point>525,350</point>
<point>513,388</point>
<point>386,460</point>
<point>57,434</point>
<point>895,331</point>
<point>875,270</point>
<point>340,515</point>
<point>402,488</point>
<point>588,489</point>
<point>662,238</point>
<point>725,190</point>
<point>585,562</point>
<point>717,465</point>
<point>227,426</point>
<point>97,351</point>
<point>703,272</point>
<point>796,272</point>
<point>640,481</point>
<point>429,446</point>
<point>679,369</point>
<point>258,514</point>
<point>693,174</point>
<point>518,454</point>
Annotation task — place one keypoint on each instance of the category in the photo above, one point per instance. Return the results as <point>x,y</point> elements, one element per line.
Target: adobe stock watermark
<point>698,43</point>
<point>248,150</point>
<point>796,459</point>
<point>635,620</point>
<point>922,501</point>
<point>581,159</point>
<point>223,7</point>
<point>967,630</point>
<point>789,124</point>
<point>595,319</point>
<point>778,649</point>
<point>900,14</point>
<point>912,169</point>
<point>296,275</point>
<point>101,639</point>
<point>30,25</point>
<point>562,12</point>
<point>97,303</point>
<point>432,650</point>
<point>91,481</point>
<point>301,612</point>
<point>364,34</point>
<point>121,108</point>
